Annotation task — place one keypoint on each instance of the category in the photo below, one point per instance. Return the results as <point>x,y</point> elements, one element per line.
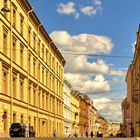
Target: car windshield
<point>16,125</point>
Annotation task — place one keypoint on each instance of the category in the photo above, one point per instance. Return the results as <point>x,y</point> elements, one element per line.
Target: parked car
<point>17,130</point>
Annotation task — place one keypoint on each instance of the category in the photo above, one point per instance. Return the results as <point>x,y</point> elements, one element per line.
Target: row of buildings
<point>32,85</point>
<point>131,104</point>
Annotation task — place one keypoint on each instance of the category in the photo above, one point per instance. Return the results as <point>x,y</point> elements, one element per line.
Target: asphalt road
<point>68,139</point>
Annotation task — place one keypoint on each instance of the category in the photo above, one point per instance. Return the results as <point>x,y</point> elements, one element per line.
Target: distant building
<point>67,108</point>
<point>115,128</point>
<point>103,124</point>
<point>75,109</point>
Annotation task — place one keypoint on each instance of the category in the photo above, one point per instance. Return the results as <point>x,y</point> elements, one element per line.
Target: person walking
<point>91,134</point>
<point>54,133</point>
<point>86,134</point>
<point>27,130</point>
<point>132,131</point>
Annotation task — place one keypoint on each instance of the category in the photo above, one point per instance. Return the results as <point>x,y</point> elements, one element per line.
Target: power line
<point>111,91</point>
<point>96,55</point>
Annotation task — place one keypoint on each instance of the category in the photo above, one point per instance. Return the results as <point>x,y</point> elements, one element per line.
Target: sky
<point>96,38</point>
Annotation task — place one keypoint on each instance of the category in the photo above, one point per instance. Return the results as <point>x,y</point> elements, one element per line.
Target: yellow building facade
<point>32,69</point>
<point>75,109</point>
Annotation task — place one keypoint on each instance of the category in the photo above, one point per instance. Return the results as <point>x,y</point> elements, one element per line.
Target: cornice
<point>32,16</point>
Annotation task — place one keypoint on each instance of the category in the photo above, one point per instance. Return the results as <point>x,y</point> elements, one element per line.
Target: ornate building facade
<point>132,103</point>
<point>32,69</point>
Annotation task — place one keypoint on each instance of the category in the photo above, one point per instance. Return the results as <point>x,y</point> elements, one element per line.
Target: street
<point>69,138</point>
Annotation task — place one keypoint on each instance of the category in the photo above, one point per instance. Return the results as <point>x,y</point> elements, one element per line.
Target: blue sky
<point>98,27</point>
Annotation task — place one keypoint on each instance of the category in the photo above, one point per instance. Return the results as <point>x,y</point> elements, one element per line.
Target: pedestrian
<point>27,130</point>
<point>75,134</point>
<point>54,133</point>
<point>97,134</point>
<point>86,134</point>
<point>91,134</point>
<point>132,131</point>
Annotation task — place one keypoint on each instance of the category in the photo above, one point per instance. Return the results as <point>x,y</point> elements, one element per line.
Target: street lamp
<point>5,9</point>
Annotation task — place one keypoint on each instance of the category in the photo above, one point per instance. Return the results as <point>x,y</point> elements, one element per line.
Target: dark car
<point>17,130</point>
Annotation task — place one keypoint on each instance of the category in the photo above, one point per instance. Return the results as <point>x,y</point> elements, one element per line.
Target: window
<point>53,83</point>
<point>34,41</point>
<point>14,86</point>
<point>39,72</point>
<point>5,82</point>
<point>50,84</point>
<point>14,117</point>
<point>43,52</point>
<point>53,109</point>
<point>43,101</point>
<point>46,56</point>
<point>57,68</point>
<point>34,64</point>
<point>50,60</point>
<point>21,55</point>
<point>14,17</point>
<point>38,47</point>
<point>21,90</point>
<point>42,75</point>
<point>53,63</point>
<point>29,94</point>
<point>5,40</point>
<point>5,2</point>
<point>35,126</point>
<point>34,96</point>
<point>39,98</point>
<point>47,102</point>
<point>29,63</point>
<point>46,78</point>
<point>57,87</point>
<point>50,104</point>
<point>21,24</point>
<point>14,49</point>
<point>29,35</point>
<point>21,118</point>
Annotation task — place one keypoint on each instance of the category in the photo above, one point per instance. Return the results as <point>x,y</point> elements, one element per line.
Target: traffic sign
<point>4,116</point>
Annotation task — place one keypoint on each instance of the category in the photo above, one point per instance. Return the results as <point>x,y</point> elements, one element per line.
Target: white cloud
<point>109,108</point>
<point>80,64</point>
<point>75,9</point>
<point>118,72</point>
<point>68,9</point>
<point>97,2</point>
<point>83,43</point>
<point>89,10</point>
<point>85,84</point>
<point>79,71</point>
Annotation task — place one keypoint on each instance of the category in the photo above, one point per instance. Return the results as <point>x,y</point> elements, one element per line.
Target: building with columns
<point>32,69</point>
